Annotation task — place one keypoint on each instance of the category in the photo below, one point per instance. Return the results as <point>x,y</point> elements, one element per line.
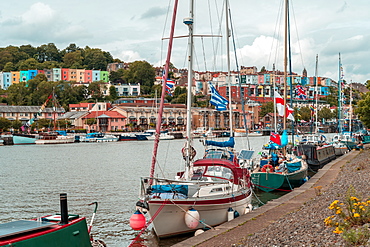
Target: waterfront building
<point>104,121</point>
<point>25,113</point>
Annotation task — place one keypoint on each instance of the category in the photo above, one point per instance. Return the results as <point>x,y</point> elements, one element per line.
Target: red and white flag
<point>275,138</point>
<point>289,113</point>
<point>279,103</point>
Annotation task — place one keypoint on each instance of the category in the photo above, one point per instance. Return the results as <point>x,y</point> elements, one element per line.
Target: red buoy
<point>137,221</point>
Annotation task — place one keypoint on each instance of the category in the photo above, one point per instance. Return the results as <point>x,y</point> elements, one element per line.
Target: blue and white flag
<point>217,100</point>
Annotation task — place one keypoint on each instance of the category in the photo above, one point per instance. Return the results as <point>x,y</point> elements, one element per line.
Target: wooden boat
<point>54,138</point>
<point>52,230</point>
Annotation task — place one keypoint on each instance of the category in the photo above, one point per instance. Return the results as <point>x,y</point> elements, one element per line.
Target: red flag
<point>275,138</point>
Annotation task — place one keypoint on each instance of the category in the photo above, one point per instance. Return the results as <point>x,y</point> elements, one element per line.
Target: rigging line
<point>298,40</point>
<point>276,34</point>
<point>165,28</point>
<point>242,95</point>
<point>218,43</point>
<point>210,21</point>
<point>204,55</point>
<point>290,73</point>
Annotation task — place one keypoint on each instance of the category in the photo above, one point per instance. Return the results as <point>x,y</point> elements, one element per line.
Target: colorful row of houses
<point>81,76</point>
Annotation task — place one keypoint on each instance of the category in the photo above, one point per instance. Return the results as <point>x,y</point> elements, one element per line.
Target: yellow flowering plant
<point>351,218</point>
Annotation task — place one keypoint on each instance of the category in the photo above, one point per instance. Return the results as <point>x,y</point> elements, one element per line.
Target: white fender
<point>230,214</point>
<point>192,218</point>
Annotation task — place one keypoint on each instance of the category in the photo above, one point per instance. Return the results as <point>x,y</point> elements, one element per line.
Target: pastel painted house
<point>105,121</point>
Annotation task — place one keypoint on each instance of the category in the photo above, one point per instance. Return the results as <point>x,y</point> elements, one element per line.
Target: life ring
<point>267,168</point>
<point>191,154</point>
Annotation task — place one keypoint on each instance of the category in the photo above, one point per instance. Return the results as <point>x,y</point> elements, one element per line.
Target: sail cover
<point>229,143</point>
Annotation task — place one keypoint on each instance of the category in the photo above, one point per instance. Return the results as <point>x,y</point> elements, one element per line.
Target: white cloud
<point>129,56</point>
<point>38,14</point>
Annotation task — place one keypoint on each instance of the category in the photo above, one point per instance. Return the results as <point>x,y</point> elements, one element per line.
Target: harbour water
<point>33,176</point>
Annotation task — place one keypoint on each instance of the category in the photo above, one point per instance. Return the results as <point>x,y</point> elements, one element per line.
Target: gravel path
<point>305,227</point>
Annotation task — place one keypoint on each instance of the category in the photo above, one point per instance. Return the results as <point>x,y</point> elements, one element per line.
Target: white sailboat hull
<point>171,218</point>
<point>58,140</point>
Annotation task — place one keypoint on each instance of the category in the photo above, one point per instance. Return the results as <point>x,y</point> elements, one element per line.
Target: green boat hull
<point>73,235</point>
<point>270,181</point>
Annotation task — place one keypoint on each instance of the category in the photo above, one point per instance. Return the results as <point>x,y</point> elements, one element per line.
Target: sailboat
<point>346,138</point>
<point>208,192</point>
<point>280,170</point>
<point>317,151</point>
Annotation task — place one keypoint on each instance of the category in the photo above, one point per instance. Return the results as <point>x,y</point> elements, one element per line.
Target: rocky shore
<point>305,226</point>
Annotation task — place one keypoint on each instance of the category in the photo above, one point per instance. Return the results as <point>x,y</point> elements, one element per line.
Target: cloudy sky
<point>133,30</point>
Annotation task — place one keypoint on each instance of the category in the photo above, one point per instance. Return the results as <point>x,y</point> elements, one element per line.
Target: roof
<point>28,109</point>
<point>104,114</point>
<point>74,114</point>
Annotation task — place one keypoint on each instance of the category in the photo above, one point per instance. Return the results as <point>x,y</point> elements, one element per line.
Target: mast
<point>350,108</point>
<point>242,92</point>
<point>274,87</point>
<point>228,66</point>
<point>161,105</point>
<point>316,94</point>
<point>189,22</point>
<point>340,96</point>
<point>285,61</point>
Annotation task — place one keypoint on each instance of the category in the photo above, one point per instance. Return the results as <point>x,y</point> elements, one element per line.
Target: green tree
<point>332,98</point>
<point>178,91</point>
<point>304,113</point>
<point>9,66</point>
<point>63,123</point>
<point>5,58</point>
<point>95,90</point>
<point>18,94</point>
<point>4,124</point>
<point>325,113</point>
<point>48,52</point>
<point>97,59</point>
<point>266,108</point>
<point>113,93</point>
<point>16,124</point>
<point>73,60</point>
<point>30,63</point>
<point>181,99</point>
<point>117,76</point>
<point>43,123</point>
<point>29,50</point>
<point>363,109</point>
<point>141,72</point>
